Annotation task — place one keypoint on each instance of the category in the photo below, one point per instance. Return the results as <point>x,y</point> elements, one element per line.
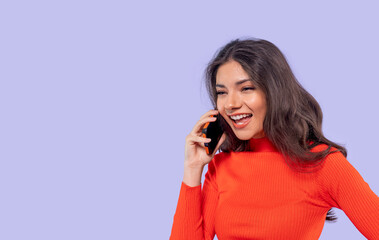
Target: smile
<point>240,121</point>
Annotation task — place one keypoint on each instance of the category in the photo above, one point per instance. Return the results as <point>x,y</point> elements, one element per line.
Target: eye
<point>219,93</point>
<point>248,88</point>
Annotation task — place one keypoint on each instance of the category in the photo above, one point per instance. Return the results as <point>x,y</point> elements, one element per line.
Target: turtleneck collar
<point>261,145</point>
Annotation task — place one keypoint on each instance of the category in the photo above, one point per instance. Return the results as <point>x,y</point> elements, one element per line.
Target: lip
<point>234,114</point>
<point>241,125</point>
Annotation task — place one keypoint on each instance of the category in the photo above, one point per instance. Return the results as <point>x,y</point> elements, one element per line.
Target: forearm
<point>188,213</point>
<point>189,222</point>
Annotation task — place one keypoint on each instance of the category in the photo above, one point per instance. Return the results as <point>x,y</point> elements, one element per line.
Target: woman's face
<point>237,97</point>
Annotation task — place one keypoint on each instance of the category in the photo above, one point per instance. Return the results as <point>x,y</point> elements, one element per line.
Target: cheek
<point>219,106</point>
<point>258,105</point>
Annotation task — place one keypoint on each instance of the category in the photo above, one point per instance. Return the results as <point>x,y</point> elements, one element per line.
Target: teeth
<point>238,117</point>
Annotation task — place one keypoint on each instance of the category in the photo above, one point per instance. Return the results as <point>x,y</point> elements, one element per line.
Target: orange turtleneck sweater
<point>256,195</point>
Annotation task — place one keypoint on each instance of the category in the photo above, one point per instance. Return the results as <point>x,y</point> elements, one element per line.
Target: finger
<point>209,113</point>
<point>196,139</point>
<point>200,124</point>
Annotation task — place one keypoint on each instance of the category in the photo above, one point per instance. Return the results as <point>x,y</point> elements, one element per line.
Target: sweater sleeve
<point>195,212</point>
<point>344,188</point>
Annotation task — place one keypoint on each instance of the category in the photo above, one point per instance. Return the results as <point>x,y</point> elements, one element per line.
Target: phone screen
<point>213,131</point>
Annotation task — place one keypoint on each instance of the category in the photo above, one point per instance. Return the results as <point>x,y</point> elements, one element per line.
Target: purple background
<point>97,98</point>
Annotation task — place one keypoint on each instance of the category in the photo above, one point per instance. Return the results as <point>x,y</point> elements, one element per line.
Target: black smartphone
<point>213,131</point>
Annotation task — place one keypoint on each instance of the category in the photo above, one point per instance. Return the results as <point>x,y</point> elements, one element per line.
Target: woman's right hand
<point>195,153</point>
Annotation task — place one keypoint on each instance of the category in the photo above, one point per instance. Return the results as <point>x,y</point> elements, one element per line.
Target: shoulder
<point>221,155</point>
<point>335,166</point>
<point>218,158</point>
<point>333,153</point>
<point>322,147</point>
<point>333,157</point>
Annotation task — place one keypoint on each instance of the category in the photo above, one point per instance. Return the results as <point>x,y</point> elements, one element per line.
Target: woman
<point>277,176</point>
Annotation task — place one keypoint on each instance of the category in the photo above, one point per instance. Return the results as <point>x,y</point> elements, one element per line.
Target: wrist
<point>192,176</point>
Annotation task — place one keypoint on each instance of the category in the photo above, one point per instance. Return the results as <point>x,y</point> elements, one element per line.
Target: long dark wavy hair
<point>293,121</point>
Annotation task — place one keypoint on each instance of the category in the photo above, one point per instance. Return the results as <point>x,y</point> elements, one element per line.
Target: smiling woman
<point>277,176</point>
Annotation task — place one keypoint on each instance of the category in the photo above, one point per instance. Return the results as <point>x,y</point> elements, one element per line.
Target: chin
<point>244,137</point>
<point>248,136</point>
<point>248,132</point>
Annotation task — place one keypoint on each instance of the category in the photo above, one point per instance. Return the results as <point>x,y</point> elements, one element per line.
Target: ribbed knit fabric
<point>256,195</point>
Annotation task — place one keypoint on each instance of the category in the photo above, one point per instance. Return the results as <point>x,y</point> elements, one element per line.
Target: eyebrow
<point>237,83</point>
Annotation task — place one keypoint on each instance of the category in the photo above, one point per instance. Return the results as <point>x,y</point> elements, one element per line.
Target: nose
<point>233,102</point>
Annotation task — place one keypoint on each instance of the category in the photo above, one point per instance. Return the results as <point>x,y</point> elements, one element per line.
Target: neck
<point>261,145</point>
